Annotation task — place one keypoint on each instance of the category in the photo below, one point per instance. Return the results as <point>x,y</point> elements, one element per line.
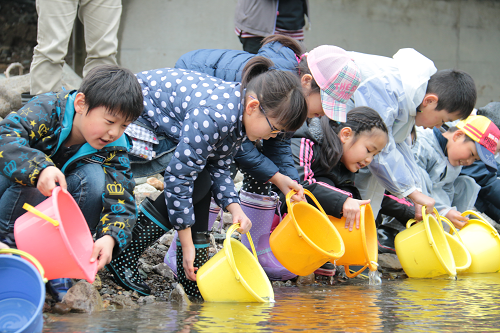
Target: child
<point>441,156</point>
<point>195,124</point>
<point>75,139</point>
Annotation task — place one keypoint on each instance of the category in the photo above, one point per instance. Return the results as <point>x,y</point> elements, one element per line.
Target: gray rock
<point>306,280</point>
<point>167,239</point>
<point>162,247</point>
<point>140,180</point>
<point>165,271</point>
<point>389,260</point>
<point>61,308</point>
<point>83,297</point>
<point>147,268</point>
<point>178,295</point>
<point>149,299</point>
<point>97,282</point>
<point>123,301</point>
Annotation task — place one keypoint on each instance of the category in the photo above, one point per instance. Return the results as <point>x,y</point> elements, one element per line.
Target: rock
<point>165,271</point>
<point>238,178</point>
<point>46,307</point>
<point>162,247</point>
<point>140,180</point>
<point>305,280</point>
<point>147,268</point>
<point>389,260</point>
<point>83,297</point>
<point>61,308</point>
<point>278,284</point>
<point>122,301</point>
<point>178,295</point>
<point>167,239</point>
<point>149,299</point>
<point>97,282</point>
<point>156,183</point>
<point>227,218</point>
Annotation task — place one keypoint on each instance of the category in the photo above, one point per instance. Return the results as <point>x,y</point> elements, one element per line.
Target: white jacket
<point>394,87</point>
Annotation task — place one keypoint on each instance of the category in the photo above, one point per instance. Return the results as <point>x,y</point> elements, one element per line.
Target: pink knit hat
<point>337,76</point>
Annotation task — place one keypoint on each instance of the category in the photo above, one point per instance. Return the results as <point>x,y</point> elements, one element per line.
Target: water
<point>470,303</point>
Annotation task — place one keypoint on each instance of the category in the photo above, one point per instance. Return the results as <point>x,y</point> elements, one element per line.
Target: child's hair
<point>115,88</point>
<point>455,89</point>
<point>491,111</point>
<point>360,119</point>
<point>286,41</point>
<point>453,129</point>
<point>279,92</point>
<point>303,69</point>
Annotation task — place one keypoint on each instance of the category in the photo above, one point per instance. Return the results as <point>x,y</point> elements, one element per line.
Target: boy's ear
<point>306,81</point>
<point>252,105</point>
<point>79,103</point>
<point>430,99</point>
<point>344,134</point>
<point>458,134</point>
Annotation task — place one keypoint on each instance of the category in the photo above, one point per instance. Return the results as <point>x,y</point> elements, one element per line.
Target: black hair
<point>456,91</point>
<point>360,119</point>
<point>279,92</point>
<point>303,69</point>
<point>286,41</point>
<point>491,111</point>
<point>115,88</point>
<point>453,129</point>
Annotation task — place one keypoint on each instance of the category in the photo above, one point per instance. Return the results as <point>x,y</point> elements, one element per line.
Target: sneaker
<point>385,237</point>
<point>327,269</point>
<point>59,287</point>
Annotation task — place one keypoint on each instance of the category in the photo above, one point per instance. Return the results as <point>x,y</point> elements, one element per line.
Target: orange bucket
<point>305,239</point>
<point>56,233</point>
<point>361,248</point>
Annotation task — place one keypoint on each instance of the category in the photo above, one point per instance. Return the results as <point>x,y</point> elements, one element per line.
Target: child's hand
<point>48,179</point>
<point>3,246</point>
<point>102,251</point>
<point>422,199</point>
<point>239,217</point>
<point>352,213</point>
<point>458,220</point>
<point>188,253</point>
<point>286,184</point>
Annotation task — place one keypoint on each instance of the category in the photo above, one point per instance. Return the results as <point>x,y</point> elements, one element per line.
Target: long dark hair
<point>279,92</point>
<point>360,119</point>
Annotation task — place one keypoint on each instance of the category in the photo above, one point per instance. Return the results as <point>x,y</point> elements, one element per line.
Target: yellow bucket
<point>234,275</point>
<point>361,248</point>
<point>483,243</point>
<point>423,250</point>
<point>305,239</point>
<point>461,255</point>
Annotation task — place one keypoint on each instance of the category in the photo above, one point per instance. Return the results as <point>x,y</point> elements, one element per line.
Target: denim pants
<point>85,184</point>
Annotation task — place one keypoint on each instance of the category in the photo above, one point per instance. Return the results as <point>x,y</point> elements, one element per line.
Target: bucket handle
<point>41,215</point>
<point>482,221</point>
<point>452,228</point>
<point>424,214</point>
<point>229,251</point>
<point>290,211</point>
<point>28,256</point>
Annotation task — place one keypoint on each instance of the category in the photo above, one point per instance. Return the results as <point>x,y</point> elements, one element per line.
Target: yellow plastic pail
<point>460,253</point>
<point>483,243</point>
<point>305,239</point>
<point>423,250</point>
<point>234,275</point>
<point>361,248</point>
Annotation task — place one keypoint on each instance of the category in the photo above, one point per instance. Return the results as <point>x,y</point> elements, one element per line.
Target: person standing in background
<point>101,20</point>
<point>257,19</point>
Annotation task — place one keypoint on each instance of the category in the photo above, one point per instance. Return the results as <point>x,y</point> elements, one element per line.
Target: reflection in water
<point>470,303</point>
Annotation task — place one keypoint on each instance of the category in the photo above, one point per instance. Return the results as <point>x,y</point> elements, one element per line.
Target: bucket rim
<point>55,194</point>
<point>371,265</point>
<point>432,243</point>
<point>453,238</point>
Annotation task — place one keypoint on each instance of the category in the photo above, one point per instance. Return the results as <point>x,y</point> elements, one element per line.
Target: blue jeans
<point>86,185</point>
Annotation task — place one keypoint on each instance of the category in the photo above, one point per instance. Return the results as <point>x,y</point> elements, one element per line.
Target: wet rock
<point>61,308</point>
<point>178,295</point>
<point>165,271</point>
<point>46,307</point>
<point>156,183</point>
<point>278,284</point>
<point>149,299</point>
<point>97,283</point>
<point>122,302</point>
<point>83,297</point>
<point>389,260</point>
<point>305,280</point>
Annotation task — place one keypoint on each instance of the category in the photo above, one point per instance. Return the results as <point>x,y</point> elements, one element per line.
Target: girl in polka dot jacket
<point>191,128</point>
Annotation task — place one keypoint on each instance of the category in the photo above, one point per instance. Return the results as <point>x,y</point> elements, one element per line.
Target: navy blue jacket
<point>490,184</point>
<point>228,65</point>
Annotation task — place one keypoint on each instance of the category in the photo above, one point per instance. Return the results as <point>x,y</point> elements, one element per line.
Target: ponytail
<point>360,119</point>
<point>286,41</point>
<point>279,92</point>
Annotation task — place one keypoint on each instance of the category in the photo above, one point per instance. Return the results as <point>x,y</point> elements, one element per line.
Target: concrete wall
<point>463,34</point>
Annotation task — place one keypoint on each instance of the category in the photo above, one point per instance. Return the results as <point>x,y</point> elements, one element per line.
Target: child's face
<point>98,127</point>
<point>427,115</point>
<point>359,150</point>
<point>258,126</point>
<point>460,151</point>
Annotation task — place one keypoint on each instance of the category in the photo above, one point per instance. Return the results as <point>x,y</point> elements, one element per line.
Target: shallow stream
<point>470,303</point>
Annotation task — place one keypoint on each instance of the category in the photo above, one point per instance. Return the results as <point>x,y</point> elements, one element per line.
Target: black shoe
<point>149,227</point>
<point>385,238</point>
<point>201,242</point>
<point>327,269</point>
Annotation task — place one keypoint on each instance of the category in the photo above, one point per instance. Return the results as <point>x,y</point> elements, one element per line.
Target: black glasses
<point>274,130</point>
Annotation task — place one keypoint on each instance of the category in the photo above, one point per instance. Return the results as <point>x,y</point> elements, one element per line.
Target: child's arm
<point>352,213</point>
<point>48,179</point>
<point>456,218</point>
<point>102,251</point>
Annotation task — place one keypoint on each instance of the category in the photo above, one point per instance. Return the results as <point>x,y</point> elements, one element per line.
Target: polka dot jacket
<point>203,115</point>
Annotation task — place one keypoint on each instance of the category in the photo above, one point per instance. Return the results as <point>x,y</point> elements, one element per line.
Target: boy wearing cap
<point>441,156</point>
<point>405,90</point>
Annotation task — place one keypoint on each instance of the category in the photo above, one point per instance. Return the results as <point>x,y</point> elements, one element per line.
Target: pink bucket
<point>56,233</point>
